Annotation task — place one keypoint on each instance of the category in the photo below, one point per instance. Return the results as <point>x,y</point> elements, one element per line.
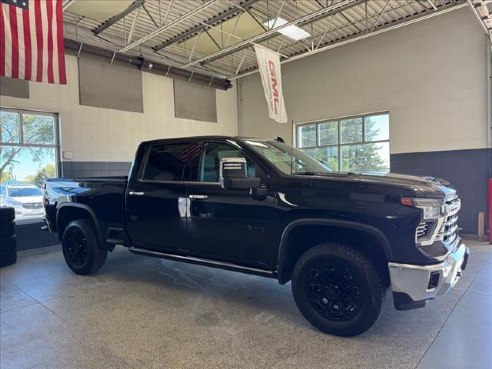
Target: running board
<point>204,262</point>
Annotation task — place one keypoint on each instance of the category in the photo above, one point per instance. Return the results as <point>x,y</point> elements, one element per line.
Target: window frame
<point>339,145</point>
<point>56,127</point>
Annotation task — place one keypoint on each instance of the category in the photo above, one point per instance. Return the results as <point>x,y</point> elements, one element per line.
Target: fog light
<point>433,280</point>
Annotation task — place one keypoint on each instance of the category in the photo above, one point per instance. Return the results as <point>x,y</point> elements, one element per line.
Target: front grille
<point>449,229</point>
<point>424,230</point>
<point>32,206</point>
<point>443,229</point>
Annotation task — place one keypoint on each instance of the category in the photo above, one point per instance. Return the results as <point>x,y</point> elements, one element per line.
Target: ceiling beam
<point>304,20</point>
<point>211,22</point>
<point>169,25</point>
<point>67,4</point>
<point>135,5</point>
<point>132,28</point>
<point>380,15</point>
<point>432,4</point>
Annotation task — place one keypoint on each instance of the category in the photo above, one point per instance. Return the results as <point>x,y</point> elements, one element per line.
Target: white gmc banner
<point>271,78</point>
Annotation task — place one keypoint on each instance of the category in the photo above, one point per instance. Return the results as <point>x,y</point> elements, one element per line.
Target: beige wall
<point>430,76</point>
<point>96,134</point>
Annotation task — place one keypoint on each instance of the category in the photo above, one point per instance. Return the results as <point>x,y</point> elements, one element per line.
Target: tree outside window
<point>358,143</point>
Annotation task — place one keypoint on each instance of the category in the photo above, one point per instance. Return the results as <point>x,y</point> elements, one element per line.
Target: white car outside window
<point>26,200</point>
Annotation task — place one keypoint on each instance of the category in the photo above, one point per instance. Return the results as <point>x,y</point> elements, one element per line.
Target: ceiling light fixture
<point>294,32</point>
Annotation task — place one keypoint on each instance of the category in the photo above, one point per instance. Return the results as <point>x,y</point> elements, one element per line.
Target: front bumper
<point>413,285</point>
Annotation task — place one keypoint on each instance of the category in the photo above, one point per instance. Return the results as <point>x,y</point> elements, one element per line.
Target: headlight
<point>431,208</point>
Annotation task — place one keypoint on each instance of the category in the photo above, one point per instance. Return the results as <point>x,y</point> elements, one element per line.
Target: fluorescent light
<point>292,31</point>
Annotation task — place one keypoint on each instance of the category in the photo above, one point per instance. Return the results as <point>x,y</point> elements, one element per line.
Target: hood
<point>421,184</point>
<point>425,186</point>
<point>28,199</point>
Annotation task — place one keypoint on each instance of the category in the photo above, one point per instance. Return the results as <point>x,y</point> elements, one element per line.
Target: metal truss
<point>157,30</point>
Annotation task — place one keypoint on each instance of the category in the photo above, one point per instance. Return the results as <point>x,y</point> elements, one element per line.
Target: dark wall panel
<point>112,86</point>
<point>77,169</point>
<point>31,236</point>
<point>192,101</point>
<point>14,87</point>
<point>467,170</point>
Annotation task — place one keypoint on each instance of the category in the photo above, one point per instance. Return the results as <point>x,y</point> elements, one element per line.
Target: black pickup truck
<point>261,207</point>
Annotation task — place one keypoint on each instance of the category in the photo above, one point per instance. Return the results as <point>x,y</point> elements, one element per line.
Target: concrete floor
<point>140,312</point>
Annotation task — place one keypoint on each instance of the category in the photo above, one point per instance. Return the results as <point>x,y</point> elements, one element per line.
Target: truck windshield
<point>288,159</point>
<point>24,192</point>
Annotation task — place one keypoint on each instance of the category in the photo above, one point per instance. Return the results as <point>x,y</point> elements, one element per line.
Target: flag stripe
<point>44,27</point>
<point>20,38</point>
<point>34,42</point>
<point>54,37</point>
<point>27,44</point>
<point>8,42</point>
<point>60,43</point>
<point>39,39</point>
<point>49,18</point>
<point>3,39</point>
<point>15,42</point>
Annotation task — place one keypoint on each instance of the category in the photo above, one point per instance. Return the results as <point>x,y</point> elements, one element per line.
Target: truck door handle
<point>198,197</point>
<point>132,193</point>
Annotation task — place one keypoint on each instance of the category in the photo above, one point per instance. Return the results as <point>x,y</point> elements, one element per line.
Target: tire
<point>6,214</point>
<point>8,244</point>
<point>337,289</point>
<point>8,258</point>
<point>7,229</point>
<point>81,248</point>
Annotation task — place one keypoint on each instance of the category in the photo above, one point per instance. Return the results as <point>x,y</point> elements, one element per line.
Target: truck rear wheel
<point>337,289</point>
<point>81,248</point>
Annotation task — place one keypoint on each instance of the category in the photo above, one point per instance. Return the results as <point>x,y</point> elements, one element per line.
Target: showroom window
<point>348,144</point>
<point>28,155</point>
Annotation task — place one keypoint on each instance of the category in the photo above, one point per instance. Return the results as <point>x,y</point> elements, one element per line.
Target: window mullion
<point>21,128</point>
<point>363,129</point>
<point>339,149</point>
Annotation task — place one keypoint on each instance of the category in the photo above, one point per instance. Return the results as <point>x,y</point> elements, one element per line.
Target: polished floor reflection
<point>139,312</point>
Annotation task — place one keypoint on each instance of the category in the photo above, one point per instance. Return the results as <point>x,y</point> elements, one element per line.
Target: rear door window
<point>173,162</point>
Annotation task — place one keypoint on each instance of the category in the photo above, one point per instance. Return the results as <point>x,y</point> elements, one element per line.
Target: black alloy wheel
<point>334,291</point>
<point>337,289</point>
<point>81,247</point>
<point>77,249</point>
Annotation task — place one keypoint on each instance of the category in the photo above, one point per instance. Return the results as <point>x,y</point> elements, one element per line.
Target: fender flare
<point>386,248</point>
<point>78,206</point>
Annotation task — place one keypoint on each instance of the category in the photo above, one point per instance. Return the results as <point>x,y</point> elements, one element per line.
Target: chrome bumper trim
<point>413,280</point>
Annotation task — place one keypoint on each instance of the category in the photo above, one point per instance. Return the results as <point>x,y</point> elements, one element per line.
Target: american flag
<point>31,40</point>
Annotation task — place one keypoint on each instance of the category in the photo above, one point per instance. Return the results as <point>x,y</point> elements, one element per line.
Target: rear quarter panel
<point>104,196</point>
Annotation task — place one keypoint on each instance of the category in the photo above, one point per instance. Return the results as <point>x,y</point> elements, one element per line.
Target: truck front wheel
<point>81,247</point>
<point>337,289</point>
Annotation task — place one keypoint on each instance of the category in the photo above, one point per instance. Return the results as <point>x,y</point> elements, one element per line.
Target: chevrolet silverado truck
<point>262,207</point>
